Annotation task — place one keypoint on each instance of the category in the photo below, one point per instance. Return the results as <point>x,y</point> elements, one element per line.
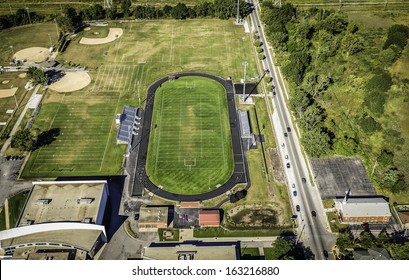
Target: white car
<point>286,156</point>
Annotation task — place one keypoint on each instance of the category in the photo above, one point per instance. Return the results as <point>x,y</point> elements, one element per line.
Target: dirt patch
<point>96,33</point>
<point>259,216</point>
<point>7,92</point>
<point>5,82</point>
<point>114,33</point>
<point>22,75</point>
<point>276,165</point>
<point>87,28</point>
<point>32,55</point>
<point>71,81</point>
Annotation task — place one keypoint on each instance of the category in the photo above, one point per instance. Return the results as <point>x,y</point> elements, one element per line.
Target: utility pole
<point>15,98</point>
<point>238,11</point>
<point>28,13</point>
<point>51,42</point>
<point>12,54</point>
<point>244,81</point>
<point>10,9</point>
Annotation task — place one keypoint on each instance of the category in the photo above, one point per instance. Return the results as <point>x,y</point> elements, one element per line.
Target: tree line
<point>339,85</point>
<point>70,19</point>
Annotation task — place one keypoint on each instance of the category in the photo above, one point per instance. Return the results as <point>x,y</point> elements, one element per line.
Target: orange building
<point>209,218</point>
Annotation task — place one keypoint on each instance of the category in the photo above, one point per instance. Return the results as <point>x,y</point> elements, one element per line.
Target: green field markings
<point>85,125</point>
<point>188,149</point>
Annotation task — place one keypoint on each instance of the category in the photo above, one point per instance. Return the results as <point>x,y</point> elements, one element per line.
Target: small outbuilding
<point>209,218</point>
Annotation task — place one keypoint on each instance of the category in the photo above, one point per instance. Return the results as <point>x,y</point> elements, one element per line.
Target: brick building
<point>362,209</point>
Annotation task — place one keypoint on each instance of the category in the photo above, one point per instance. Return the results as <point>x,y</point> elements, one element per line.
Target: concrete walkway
<point>7,213</point>
<point>17,124</point>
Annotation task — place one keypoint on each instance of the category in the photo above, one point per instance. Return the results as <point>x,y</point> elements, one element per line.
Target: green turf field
<point>190,149</point>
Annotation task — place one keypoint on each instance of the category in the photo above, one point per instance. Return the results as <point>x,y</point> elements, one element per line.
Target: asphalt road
<point>313,231</point>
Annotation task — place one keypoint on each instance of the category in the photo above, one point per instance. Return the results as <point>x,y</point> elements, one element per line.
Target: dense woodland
<point>340,86</point>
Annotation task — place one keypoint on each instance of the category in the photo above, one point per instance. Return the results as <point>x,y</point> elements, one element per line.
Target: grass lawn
<point>220,232</point>
<point>190,149</point>
<point>16,204</point>
<point>27,36</point>
<point>254,252</point>
<point>334,223</point>
<point>147,51</point>
<point>175,235</point>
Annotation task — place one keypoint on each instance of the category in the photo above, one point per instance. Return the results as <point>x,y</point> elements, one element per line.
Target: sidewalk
<point>17,124</point>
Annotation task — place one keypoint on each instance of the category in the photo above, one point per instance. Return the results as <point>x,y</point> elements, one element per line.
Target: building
<point>247,136</point>
<point>152,218</point>
<point>362,209</point>
<point>60,220</point>
<point>192,250</point>
<point>371,254</point>
<point>129,124</point>
<point>209,218</point>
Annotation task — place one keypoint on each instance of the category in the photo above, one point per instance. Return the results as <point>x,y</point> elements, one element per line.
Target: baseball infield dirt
<point>71,81</point>
<point>114,33</point>
<point>32,55</point>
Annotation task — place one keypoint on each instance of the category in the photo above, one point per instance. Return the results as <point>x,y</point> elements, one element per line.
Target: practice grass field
<point>147,51</point>
<point>190,148</point>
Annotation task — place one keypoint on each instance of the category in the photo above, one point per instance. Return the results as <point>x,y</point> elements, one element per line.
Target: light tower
<point>238,11</point>
<point>28,13</point>
<point>244,82</point>
<point>107,3</point>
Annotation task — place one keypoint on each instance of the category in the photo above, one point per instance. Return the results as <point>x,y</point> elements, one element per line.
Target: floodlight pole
<point>244,81</point>
<point>238,11</point>
<point>51,42</point>
<point>28,13</point>
<point>15,98</point>
<point>265,73</point>
<point>12,51</point>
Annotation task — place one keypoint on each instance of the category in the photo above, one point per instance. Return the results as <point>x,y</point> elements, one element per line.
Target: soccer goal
<point>188,162</point>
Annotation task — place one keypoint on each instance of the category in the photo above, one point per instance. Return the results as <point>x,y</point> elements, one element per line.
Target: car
<point>313,213</point>
<point>297,207</point>
<point>288,165</point>
<point>283,145</point>
<point>325,254</point>
<point>286,156</point>
<point>285,134</point>
<point>295,193</point>
<point>274,92</point>
<point>288,129</point>
<point>303,180</point>
<point>293,185</point>
<point>136,216</point>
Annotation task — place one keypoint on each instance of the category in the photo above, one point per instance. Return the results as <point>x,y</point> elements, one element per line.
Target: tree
<point>345,242</point>
<point>180,11</point>
<point>312,117</point>
<point>366,240</point>
<point>400,251</point>
<point>295,67</point>
<point>281,249</point>
<point>22,140</point>
<point>345,146</point>
<point>299,102</point>
<point>352,43</point>
<point>369,124</point>
<point>126,7</point>
<point>397,35</point>
<point>38,75</point>
<point>316,142</point>
<point>69,20</point>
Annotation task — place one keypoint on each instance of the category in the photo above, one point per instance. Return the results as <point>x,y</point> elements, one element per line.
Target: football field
<point>190,142</point>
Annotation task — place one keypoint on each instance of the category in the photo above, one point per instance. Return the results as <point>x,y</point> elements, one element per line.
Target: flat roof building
<point>152,218</point>
<point>359,210</point>
<point>193,250</point>
<point>209,218</point>
<point>59,216</point>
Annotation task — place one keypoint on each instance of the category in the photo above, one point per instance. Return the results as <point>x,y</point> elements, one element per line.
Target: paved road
<point>313,231</point>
